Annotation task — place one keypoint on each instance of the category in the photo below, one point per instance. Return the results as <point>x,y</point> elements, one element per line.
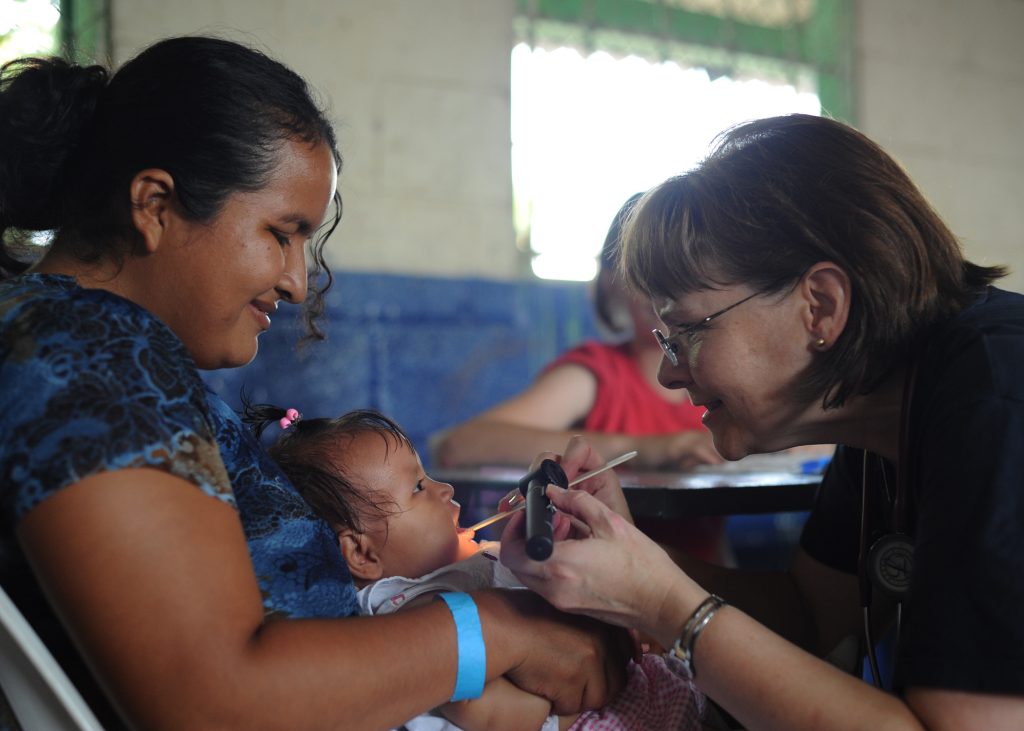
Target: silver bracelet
<point>682,650</point>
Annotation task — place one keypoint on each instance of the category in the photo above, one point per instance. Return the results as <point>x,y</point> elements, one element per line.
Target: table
<point>757,484</point>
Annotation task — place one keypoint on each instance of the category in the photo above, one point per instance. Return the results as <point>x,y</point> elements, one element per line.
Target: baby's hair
<point>308,453</point>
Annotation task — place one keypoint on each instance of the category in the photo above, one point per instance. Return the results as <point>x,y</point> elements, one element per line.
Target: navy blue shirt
<point>963,622</point>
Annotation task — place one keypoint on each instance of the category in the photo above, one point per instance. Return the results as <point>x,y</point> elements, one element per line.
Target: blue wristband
<point>472,671</point>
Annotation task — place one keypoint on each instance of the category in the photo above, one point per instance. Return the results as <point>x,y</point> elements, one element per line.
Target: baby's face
<point>422,531</point>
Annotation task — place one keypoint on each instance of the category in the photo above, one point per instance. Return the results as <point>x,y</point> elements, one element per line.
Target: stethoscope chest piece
<point>890,564</point>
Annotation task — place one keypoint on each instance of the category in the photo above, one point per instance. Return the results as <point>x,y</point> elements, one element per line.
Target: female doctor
<point>810,294</point>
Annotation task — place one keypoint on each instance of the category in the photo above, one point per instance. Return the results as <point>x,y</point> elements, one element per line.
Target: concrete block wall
<point>419,91</point>
<point>941,87</point>
<point>434,318</point>
<point>420,94</point>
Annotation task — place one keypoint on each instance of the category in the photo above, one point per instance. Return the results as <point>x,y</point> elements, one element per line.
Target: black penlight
<point>540,513</point>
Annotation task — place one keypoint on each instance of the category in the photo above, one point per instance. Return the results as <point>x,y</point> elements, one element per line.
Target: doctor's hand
<point>611,571</point>
<point>580,457</point>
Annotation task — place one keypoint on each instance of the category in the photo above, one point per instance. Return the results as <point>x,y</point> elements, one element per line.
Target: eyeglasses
<point>685,334</point>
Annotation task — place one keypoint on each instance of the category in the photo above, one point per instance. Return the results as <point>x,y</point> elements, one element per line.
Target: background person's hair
<point>211,112</point>
<point>311,453</point>
<point>610,311</point>
<point>776,196</point>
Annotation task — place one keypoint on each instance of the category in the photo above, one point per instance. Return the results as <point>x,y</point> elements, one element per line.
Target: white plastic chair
<point>35,686</point>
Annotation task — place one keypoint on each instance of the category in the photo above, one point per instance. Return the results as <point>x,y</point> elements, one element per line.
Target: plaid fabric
<point>654,699</point>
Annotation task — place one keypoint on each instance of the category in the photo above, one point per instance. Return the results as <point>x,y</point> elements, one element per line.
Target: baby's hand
<point>645,644</point>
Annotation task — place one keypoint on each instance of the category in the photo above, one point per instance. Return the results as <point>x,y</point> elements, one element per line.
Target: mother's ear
<point>825,289</point>
<point>152,192</point>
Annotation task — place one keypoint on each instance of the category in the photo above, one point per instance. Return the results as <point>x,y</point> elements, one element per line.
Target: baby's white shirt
<point>482,570</point>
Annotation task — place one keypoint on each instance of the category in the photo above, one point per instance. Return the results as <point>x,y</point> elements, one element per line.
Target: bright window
<point>610,97</point>
<point>588,131</point>
<point>27,27</point>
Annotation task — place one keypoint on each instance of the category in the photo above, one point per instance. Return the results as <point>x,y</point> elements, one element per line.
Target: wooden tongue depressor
<point>577,480</point>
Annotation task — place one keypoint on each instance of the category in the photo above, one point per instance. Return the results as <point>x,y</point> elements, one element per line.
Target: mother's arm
<point>154,582</point>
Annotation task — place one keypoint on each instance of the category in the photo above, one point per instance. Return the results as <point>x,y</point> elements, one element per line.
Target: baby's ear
<point>361,555</point>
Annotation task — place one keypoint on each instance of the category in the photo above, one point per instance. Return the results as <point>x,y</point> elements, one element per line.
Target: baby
<point>398,530</point>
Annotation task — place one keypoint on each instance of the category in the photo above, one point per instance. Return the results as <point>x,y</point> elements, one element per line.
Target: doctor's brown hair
<point>778,195</point>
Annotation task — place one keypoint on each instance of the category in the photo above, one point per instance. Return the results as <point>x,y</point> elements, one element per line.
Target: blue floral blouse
<point>91,382</point>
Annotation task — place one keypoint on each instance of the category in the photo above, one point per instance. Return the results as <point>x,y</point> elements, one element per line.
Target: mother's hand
<point>613,572</point>
<point>575,662</point>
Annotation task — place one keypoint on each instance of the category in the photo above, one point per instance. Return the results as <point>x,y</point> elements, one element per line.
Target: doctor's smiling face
<point>741,364</point>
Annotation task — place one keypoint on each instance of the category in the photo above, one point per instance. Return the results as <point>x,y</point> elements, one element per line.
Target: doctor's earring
<point>820,343</point>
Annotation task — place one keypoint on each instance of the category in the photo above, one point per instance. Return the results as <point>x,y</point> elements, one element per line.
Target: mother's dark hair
<point>776,196</point>
<point>211,112</point>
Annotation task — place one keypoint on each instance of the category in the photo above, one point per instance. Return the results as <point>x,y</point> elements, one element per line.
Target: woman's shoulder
<point>93,382</point>
<point>54,307</point>
<point>49,325</point>
<point>993,307</point>
<point>982,346</point>
<point>55,332</point>
<point>992,311</point>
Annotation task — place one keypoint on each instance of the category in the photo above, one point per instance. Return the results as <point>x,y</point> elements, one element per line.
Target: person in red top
<point>608,392</point>
<point>626,401</point>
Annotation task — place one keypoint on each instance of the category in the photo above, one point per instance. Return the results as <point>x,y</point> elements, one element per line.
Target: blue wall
<point>428,352</point>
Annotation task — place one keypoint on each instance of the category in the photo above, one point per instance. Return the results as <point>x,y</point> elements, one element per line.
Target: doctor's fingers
<point>590,511</point>
<point>543,456</point>
<point>575,577</point>
<point>535,575</point>
<point>513,543</point>
<point>510,500</point>
<point>580,456</point>
<point>584,577</point>
<point>515,495</point>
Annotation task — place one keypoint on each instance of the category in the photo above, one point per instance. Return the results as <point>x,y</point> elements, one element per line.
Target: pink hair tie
<point>290,417</point>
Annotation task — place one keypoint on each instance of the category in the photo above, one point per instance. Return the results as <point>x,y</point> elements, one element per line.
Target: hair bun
<point>45,107</point>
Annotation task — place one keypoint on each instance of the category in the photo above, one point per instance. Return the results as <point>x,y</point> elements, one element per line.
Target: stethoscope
<point>885,563</point>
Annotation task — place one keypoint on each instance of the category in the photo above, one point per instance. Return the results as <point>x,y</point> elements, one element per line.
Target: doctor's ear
<point>152,193</point>
<point>361,555</point>
<point>825,289</point>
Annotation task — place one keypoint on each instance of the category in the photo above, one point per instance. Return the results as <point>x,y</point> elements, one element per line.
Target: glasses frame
<point>671,349</point>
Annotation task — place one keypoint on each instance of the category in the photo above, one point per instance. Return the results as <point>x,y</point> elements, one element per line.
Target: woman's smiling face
<point>229,274</point>
<point>741,366</point>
